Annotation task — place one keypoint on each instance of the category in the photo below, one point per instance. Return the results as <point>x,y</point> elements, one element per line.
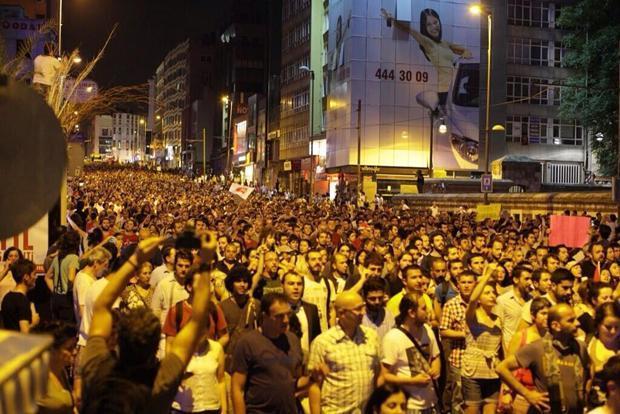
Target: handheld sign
<point>241,190</point>
<point>488,211</point>
<point>572,231</point>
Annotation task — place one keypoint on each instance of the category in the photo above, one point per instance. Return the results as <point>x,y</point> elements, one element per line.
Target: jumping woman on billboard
<point>440,53</point>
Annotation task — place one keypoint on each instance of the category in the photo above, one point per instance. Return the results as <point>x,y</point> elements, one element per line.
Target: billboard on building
<point>413,64</point>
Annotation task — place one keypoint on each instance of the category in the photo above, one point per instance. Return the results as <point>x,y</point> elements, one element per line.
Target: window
<point>529,52</point>
<point>531,13</point>
<point>517,89</point>
<point>104,132</point>
<point>532,90</point>
<point>567,132</point>
<point>558,55</point>
<point>536,130</point>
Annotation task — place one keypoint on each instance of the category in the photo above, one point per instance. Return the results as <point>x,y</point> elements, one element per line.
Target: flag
<point>241,190</point>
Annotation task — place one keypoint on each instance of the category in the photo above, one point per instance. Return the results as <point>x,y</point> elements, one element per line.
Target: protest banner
<point>488,211</point>
<point>571,231</point>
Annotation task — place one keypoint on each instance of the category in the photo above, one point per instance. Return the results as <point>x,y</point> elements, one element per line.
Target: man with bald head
<point>344,360</point>
<point>559,364</point>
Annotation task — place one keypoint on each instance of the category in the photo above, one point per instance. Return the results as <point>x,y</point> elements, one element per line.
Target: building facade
<point>128,137</point>
<point>243,68</point>
<point>21,21</point>
<point>295,84</point>
<point>533,84</point>
<point>171,91</point>
<point>101,137</point>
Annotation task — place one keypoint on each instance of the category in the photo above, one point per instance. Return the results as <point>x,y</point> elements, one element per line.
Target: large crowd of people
<point>171,295</point>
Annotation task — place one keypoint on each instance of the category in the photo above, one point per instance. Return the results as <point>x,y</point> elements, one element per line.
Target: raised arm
<point>424,41</point>
<point>482,282</point>
<point>75,227</point>
<point>101,324</point>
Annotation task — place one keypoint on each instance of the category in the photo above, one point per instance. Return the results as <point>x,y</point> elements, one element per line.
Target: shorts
<point>477,390</point>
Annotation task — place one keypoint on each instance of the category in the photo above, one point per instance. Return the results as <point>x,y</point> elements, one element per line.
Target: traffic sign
<point>486,183</point>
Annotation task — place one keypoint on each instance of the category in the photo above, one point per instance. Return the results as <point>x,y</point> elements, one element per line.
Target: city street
<point>309,207</point>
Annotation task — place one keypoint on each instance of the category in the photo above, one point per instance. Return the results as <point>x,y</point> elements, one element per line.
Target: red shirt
<point>170,326</point>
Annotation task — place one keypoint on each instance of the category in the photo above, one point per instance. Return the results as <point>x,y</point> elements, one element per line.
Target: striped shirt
<point>352,364</point>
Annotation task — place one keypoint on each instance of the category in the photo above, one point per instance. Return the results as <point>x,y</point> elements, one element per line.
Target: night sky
<point>147,30</point>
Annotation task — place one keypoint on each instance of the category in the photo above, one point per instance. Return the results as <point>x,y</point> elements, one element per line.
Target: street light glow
<point>225,99</point>
<point>442,127</point>
<point>475,9</point>
<point>141,121</point>
<point>77,60</point>
<point>89,89</point>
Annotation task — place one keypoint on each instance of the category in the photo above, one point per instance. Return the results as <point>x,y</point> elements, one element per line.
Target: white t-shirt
<point>316,293</point>
<point>401,354</point>
<point>82,282</point>
<point>92,294</point>
<point>158,274</point>
<point>45,69</point>
<point>199,391</point>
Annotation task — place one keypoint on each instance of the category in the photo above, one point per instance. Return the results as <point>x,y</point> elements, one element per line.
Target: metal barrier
<point>562,173</point>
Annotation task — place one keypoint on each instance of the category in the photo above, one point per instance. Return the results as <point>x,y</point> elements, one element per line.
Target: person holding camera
<point>134,380</point>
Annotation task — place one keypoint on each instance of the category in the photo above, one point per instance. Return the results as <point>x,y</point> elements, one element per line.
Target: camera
<point>187,240</point>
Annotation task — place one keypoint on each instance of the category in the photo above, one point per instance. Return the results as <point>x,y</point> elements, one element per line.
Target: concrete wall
<point>520,203</point>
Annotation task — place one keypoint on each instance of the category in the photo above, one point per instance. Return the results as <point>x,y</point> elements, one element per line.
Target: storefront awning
<point>24,363</point>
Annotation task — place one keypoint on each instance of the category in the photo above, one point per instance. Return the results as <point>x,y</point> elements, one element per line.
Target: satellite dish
<point>32,157</point>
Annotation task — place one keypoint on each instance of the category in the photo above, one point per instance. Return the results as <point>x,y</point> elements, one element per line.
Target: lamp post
<point>60,28</point>
<point>310,129</point>
<point>228,103</point>
<point>477,10</point>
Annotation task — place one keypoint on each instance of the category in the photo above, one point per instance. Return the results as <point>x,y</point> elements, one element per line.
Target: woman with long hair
<point>539,310</point>
<point>483,339</point>
<point>62,272</point>
<point>436,50</point>
<point>7,283</point>
<point>602,347</point>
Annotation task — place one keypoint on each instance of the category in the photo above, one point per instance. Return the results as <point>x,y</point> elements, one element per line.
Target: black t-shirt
<point>272,369</point>
<point>15,308</point>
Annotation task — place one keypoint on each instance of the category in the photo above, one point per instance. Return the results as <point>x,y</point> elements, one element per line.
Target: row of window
<point>521,89</point>
<point>299,101</point>
<point>292,7</point>
<point>535,52</point>
<point>293,137</point>
<point>298,35</point>
<point>537,130</point>
<point>172,135</point>
<point>291,72</point>
<point>533,13</point>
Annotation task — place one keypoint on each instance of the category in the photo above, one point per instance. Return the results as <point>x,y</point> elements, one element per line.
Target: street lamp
<point>477,10</point>
<point>227,110</point>
<point>305,68</point>
<point>60,28</point>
